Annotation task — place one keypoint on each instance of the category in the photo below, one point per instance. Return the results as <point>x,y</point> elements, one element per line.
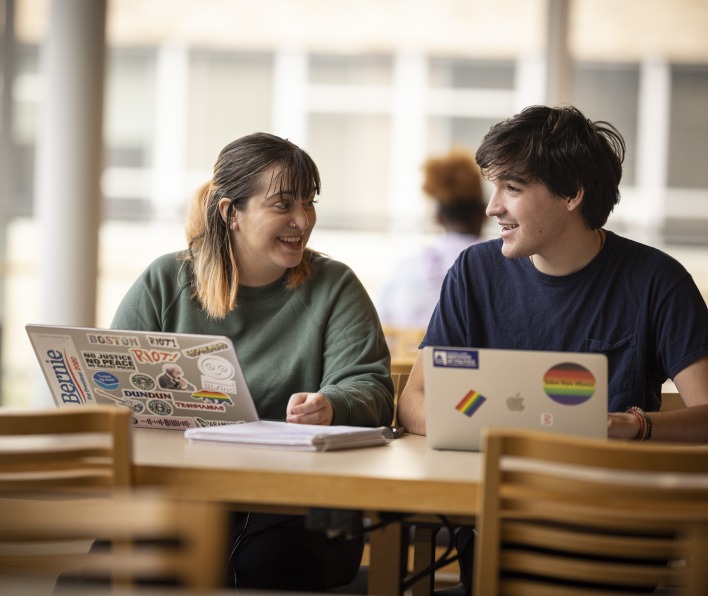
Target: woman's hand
<point>309,408</point>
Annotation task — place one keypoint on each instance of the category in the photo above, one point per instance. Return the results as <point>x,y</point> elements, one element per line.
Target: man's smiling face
<point>531,218</point>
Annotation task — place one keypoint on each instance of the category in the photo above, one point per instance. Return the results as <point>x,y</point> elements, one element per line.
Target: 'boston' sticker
<point>569,384</point>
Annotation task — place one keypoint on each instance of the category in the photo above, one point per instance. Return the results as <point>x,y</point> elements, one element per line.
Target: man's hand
<point>621,425</point>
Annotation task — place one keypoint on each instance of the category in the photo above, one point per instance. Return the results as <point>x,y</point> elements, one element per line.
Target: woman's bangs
<point>299,176</point>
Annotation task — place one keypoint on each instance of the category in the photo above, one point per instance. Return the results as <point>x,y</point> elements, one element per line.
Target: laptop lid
<point>169,380</point>
<point>468,389</point>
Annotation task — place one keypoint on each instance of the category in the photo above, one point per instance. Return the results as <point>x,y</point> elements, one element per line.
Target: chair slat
<point>152,536</point>
<point>55,449</point>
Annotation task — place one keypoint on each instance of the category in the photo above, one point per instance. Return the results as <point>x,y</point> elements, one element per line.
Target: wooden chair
<point>153,539</point>
<point>420,541</point>
<point>671,401</point>
<point>400,373</point>
<point>403,342</point>
<point>83,449</point>
<point>558,512</point>
<point>698,551</point>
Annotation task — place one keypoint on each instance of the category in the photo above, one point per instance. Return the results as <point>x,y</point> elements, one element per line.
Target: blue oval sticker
<point>105,380</point>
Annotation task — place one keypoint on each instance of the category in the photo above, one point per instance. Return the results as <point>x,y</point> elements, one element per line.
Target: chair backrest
<point>671,401</point>
<point>559,512</point>
<point>143,538</point>
<point>400,373</point>
<point>80,450</point>
<point>403,342</point>
<point>698,551</point>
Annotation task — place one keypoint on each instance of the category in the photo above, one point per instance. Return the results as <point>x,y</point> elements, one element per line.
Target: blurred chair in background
<point>400,371</point>
<point>671,401</point>
<point>80,450</point>
<point>154,541</point>
<point>403,343</point>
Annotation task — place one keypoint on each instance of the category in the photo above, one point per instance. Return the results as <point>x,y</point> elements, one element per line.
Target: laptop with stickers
<point>170,380</point>
<point>468,389</point>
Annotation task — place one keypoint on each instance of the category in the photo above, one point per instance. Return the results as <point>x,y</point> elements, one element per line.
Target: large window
<point>27,95</point>
<point>129,133</point>
<point>130,108</point>
<point>688,131</point>
<point>129,114</point>
<point>458,73</point>
<point>445,132</point>
<point>366,70</point>
<point>352,153</point>
<point>349,136</point>
<point>466,97</point>
<point>230,95</point>
<point>611,92</point>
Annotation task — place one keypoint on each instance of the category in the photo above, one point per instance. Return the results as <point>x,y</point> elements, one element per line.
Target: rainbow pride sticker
<point>470,403</point>
<point>214,397</point>
<point>569,384</point>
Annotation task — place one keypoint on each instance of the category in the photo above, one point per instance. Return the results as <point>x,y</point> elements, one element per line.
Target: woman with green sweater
<point>307,335</point>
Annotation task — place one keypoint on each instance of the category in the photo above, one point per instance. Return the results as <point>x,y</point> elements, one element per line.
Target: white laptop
<point>468,389</point>
<point>170,380</point>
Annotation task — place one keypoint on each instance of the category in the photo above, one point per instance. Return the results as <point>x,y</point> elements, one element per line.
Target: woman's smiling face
<point>271,232</point>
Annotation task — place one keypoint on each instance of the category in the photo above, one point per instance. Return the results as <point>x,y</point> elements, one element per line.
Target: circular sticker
<point>159,407</point>
<point>569,383</point>
<point>215,367</point>
<point>137,407</point>
<point>105,380</point>
<point>142,381</point>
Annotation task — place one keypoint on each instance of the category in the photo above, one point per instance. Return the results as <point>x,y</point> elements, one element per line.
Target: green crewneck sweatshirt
<point>323,337</point>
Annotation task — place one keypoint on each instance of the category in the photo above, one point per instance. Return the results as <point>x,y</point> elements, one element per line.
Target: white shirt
<point>408,298</point>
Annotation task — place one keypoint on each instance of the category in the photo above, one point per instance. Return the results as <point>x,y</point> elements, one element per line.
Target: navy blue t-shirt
<point>634,303</point>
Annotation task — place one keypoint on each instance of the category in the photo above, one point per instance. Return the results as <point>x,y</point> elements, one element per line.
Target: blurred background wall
<point>369,88</point>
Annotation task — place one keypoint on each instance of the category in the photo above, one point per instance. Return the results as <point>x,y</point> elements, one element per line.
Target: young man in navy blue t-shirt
<point>556,280</point>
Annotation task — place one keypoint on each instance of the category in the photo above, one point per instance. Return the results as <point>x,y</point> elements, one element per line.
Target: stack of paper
<point>301,437</point>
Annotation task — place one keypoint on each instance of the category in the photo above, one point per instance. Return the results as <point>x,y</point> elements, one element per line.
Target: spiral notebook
<point>294,437</point>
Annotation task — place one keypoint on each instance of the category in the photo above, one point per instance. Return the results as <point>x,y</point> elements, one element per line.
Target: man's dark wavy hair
<point>562,149</point>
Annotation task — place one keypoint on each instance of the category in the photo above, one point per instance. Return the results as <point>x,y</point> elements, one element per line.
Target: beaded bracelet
<point>644,423</point>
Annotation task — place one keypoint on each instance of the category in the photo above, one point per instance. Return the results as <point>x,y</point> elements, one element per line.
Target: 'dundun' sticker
<point>569,384</point>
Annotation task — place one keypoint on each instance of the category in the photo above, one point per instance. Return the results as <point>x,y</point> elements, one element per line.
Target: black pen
<point>398,431</point>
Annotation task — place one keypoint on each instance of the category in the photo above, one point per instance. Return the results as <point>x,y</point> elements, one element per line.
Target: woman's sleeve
<point>356,360</point>
<point>138,309</point>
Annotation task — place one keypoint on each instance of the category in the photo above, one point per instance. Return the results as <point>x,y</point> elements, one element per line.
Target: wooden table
<point>403,477</point>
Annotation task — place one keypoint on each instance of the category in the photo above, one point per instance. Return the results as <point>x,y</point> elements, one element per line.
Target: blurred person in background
<point>454,183</point>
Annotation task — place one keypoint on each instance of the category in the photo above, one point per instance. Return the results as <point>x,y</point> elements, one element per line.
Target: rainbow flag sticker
<point>569,384</point>
<point>470,403</point>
